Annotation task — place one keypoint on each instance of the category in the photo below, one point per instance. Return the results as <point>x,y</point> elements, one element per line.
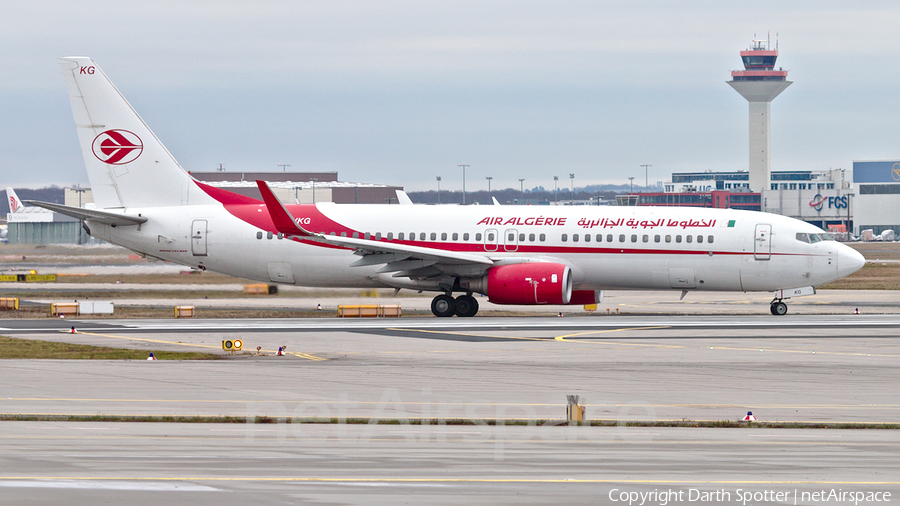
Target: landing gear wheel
<point>443,306</point>
<point>778,308</point>
<point>466,305</point>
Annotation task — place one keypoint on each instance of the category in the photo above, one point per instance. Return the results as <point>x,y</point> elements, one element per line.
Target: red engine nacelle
<point>530,283</point>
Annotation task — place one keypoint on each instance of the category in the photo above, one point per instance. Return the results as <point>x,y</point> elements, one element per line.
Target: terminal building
<point>876,205</point>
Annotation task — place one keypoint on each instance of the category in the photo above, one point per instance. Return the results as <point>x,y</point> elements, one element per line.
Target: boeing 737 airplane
<point>513,254</point>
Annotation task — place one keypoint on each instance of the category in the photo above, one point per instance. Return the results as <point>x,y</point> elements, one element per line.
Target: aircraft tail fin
<point>15,204</point>
<point>126,164</point>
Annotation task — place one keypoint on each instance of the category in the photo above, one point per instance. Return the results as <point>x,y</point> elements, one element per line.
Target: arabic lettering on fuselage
<point>542,221</point>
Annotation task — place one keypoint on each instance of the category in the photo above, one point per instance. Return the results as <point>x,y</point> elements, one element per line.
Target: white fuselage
<point>606,247</point>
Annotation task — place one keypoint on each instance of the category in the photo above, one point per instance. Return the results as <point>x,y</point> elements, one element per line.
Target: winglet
<point>281,217</point>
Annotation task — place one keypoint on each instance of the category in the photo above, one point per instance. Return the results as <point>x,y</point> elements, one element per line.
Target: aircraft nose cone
<point>849,261</point>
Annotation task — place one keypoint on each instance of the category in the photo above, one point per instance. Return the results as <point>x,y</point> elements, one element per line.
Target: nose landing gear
<point>778,308</point>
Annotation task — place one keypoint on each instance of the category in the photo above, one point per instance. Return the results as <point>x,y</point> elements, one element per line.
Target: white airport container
<point>95,307</point>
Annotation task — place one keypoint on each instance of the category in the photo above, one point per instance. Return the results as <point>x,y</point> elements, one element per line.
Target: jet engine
<point>525,283</point>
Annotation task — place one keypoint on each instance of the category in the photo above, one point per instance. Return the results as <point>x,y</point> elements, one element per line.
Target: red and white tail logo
<point>117,147</point>
<point>13,204</point>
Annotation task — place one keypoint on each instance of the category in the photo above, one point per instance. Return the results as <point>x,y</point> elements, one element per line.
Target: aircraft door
<point>511,239</point>
<point>198,238</point>
<point>762,242</point>
<point>491,239</point>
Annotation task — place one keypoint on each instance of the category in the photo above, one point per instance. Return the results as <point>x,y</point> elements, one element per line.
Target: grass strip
<point>12,348</point>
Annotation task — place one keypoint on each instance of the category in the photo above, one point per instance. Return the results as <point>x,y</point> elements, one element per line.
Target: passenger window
<point>377,236</point>
<point>466,237</point>
<point>478,237</point>
<point>400,236</point>
<point>530,237</point>
<point>656,238</point>
<point>259,235</point>
<point>269,235</point>
<point>699,239</point>
<point>565,238</point>
<point>609,238</point>
<point>390,236</point>
<point>521,237</point>
<point>599,237</point>
<point>574,237</point>
<point>356,235</point>
<point>621,237</point>
<point>709,239</point>
<point>678,238</point>
<point>633,237</point>
<point>343,234</point>
<point>434,236</point>
<point>443,236</point>
<point>421,236</point>
<point>455,236</point>
<point>511,238</point>
<point>668,238</point>
<point>646,238</point>
<point>689,238</point>
<point>587,237</point>
<point>490,236</point>
<point>542,237</point>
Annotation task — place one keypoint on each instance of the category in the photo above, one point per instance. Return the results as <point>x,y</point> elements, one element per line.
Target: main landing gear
<point>778,308</point>
<point>445,305</point>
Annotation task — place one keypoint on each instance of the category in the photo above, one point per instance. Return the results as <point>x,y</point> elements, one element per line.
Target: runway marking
<point>424,331</point>
<point>805,352</point>
<point>567,336</point>
<point>247,479</point>
<point>190,345</point>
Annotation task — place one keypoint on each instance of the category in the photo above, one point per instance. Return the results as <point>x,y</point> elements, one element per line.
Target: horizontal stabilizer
<point>94,215</point>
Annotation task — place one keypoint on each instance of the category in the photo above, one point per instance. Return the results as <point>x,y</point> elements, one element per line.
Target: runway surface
<point>800,368</point>
<point>806,368</point>
<point>181,464</point>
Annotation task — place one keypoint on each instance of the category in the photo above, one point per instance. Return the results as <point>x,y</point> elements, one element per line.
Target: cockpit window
<point>813,238</point>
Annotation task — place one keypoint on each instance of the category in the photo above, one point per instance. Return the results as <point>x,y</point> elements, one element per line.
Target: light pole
<point>489,185</point>
<point>313,179</point>
<point>283,165</point>
<point>522,190</point>
<point>632,184</point>
<point>439,188</point>
<point>464,165</point>
<point>555,187</point>
<point>646,178</point>
<point>572,180</point>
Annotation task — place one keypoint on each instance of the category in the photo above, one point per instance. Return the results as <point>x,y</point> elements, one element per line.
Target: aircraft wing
<point>401,259</point>
<point>98,216</point>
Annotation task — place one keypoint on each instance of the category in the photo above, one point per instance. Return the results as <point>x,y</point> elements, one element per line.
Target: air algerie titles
<point>603,222</point>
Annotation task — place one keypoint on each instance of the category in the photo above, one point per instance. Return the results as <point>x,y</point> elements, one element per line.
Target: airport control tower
<point>759,83</point>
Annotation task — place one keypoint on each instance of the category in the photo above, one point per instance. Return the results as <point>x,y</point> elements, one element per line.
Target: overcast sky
<point>399,92</point>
